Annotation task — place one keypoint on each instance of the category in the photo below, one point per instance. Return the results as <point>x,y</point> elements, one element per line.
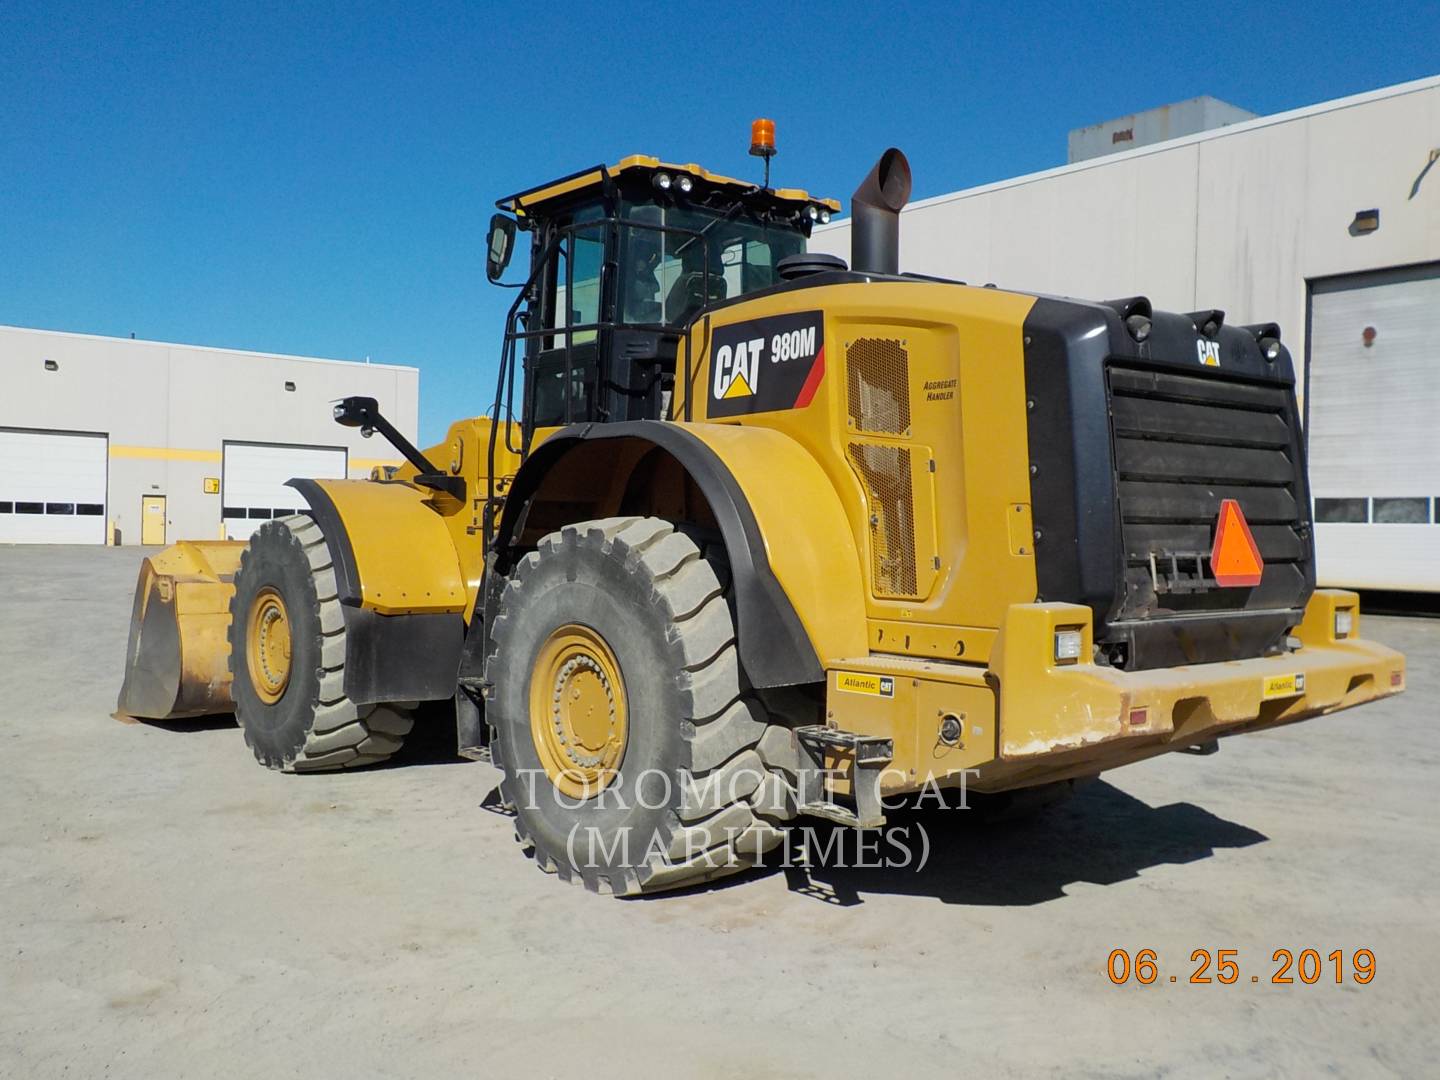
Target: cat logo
<point>766,364</point>
<point>737,369</point>
<point>1209,352</point>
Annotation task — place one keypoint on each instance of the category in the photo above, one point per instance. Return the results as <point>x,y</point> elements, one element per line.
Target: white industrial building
<point>1325,220</point>
<point>113,440</point>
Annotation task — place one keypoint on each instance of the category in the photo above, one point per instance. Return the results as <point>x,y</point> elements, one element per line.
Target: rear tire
<point>705,781</point>
<point>299,719</point>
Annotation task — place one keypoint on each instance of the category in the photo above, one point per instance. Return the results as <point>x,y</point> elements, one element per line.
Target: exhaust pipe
<point>875,215</point>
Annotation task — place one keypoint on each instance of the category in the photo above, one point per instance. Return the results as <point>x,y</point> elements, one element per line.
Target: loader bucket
<point>177,662</point>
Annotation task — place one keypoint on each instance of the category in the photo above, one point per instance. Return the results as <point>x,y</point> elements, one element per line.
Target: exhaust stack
<point>875,215</point>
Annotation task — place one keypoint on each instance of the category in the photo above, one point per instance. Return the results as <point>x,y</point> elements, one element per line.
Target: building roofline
<point>1398,90</point>
<point>1157,108</point>
<point>206,348</point>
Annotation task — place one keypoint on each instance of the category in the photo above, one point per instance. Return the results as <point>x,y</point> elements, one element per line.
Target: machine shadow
<point>431,741</point>
<point>213,722</point>
<point>1101,836</point>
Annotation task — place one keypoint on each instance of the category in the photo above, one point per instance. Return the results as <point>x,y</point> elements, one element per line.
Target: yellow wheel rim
<point>578,715</point>
<point>267,646</point>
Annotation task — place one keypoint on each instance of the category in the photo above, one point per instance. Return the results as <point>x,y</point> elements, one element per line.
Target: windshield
<point>702,256</point>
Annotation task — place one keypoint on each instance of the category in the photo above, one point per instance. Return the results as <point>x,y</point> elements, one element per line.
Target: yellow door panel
<point>152,519</point>
<point>900,499</point>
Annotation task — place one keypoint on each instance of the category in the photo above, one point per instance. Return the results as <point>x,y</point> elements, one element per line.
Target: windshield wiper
<point>704,230</point>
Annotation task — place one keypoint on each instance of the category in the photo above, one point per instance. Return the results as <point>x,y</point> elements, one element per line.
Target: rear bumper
<point>1049,709</point>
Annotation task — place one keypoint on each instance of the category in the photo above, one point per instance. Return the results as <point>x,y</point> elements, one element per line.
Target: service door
<point>1373,399</point>
<point>152,519</point>
<point>253,477</point>
<point>52,487</point>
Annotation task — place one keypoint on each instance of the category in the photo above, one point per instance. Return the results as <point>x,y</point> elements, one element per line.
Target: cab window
<point>678,260</point>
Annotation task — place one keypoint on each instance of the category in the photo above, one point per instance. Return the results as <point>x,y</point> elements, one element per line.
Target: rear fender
<point>799,597</point>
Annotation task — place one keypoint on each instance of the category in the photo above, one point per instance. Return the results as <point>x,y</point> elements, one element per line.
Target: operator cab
<point>622,259</point>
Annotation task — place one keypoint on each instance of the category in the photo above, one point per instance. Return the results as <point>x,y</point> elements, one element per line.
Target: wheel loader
<point>765,535</point>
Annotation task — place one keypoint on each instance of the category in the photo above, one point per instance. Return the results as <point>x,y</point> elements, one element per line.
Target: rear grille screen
<point>885,471</point>
<point>1182,445</point>
<point>878,384</point>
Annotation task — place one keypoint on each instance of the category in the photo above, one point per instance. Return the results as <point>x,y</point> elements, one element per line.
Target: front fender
<point>392,551</point>
<point>400,586</point>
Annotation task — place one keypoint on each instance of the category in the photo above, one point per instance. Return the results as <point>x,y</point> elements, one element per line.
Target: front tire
<point>287,659</point>
<point>634,754</point>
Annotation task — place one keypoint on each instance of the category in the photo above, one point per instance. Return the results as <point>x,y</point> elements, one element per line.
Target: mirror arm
<point>362,413</point>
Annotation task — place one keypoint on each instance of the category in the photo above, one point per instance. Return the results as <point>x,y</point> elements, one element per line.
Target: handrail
<point>509,360</point>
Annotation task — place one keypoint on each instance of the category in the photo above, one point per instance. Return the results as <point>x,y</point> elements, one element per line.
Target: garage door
<point>52,487</point>
<point>1374,396</point>
<point>252,483</point>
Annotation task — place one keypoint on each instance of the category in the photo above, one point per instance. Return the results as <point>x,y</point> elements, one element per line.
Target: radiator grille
<point>1182,445</point>
<point>877,373</point>
<point>885,471</point>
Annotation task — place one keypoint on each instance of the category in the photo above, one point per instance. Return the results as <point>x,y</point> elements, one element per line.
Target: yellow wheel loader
<point>764,535</point>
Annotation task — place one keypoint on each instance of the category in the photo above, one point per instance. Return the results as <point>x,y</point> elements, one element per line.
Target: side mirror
<point>500,246</point>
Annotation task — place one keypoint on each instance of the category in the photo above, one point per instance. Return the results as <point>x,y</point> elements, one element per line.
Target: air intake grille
<point>885,471</point>
<point>877,372</point>
<point>1183,443</point>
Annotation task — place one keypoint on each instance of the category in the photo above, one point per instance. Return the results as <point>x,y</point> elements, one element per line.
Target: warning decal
<point>763,365</point>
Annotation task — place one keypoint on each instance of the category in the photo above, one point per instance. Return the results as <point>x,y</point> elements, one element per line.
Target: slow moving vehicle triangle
<point>1234,559</point>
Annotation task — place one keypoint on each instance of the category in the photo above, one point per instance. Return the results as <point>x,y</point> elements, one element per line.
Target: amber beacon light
<point>762,143</point>
<point>762,138</point>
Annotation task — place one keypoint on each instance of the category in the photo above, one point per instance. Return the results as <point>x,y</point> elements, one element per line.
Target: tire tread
<point>732,806</point>
<point>341,734</point>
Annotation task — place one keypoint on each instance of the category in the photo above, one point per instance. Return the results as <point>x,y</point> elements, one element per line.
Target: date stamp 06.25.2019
<point>1226,967</point>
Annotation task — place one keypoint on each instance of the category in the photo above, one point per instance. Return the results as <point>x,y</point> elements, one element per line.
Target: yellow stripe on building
<point>164,453</point>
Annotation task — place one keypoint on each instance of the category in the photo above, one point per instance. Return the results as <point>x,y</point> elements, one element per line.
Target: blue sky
<point>316,178</point>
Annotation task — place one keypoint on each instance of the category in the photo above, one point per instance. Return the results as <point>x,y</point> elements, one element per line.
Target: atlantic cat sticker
<point>766,364</point>
<point>855,682</point>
